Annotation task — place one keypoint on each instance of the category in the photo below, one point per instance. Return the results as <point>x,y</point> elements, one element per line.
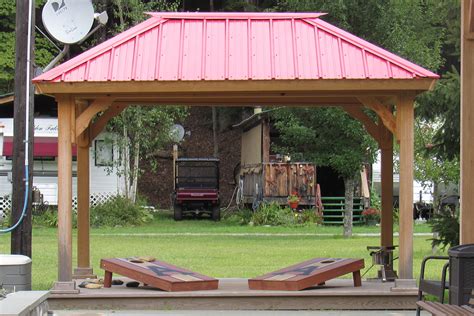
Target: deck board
<point>234,294</point>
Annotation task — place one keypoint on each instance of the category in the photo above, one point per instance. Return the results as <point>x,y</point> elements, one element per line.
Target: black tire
<point>216,213</point>
<point>178,213</point>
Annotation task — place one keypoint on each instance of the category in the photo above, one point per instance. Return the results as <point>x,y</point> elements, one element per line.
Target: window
<point>104,153</point>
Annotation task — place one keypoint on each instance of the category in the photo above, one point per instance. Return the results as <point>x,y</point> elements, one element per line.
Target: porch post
<point>467,126</point>
<point>65,116</point>
<point>84,269</point>
<point>405,120</point>
<point>386,148</point>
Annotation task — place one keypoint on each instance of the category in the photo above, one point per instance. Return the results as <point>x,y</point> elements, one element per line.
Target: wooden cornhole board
<point>309,273</point>
<point>158,274</point>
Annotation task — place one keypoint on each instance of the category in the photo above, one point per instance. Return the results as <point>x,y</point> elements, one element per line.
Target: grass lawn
<point>223,249</point>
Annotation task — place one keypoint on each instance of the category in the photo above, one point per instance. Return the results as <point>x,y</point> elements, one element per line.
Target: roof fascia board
<point>317,85</point>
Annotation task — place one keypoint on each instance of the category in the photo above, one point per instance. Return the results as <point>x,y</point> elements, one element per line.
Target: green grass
<point>219,256</point>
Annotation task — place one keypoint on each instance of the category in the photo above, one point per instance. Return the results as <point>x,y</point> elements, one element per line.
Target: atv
<point>196,187</point>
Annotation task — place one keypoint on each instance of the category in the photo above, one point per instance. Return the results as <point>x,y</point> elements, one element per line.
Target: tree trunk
<point>126,163</point>
<point>348,206</point>
<point>134,173</point>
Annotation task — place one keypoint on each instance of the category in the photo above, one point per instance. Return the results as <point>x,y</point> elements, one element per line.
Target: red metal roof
<point>234,46</point>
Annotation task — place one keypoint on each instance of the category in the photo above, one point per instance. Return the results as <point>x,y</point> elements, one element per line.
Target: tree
<point>429,167</point>
<point>327,137</point>
<point>143,130</point>
<point>443,103</point>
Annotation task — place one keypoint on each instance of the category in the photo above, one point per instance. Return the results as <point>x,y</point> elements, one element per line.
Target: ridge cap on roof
<point>236,15</point>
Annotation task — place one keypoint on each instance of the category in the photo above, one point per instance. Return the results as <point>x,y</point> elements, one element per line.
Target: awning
<point>43,147</point>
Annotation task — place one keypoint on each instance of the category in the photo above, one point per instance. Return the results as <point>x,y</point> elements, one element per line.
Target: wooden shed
<point>270,178</point>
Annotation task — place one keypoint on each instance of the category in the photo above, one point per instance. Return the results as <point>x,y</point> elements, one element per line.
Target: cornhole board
<point>158,274</point>
<point>309,273</point>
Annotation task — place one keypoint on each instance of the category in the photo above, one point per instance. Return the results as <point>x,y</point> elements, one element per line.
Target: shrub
<point>371,214</point>
<point>273,214</point>
<point>241,216</point>
<point>311,216</point>
<point>48,218</point>
<point>120,211</point>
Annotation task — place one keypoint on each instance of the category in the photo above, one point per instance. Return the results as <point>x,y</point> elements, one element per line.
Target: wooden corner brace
<point>84,119</point>
<point>370,126</point>
<point>383,112</point>
<point>97,127</point>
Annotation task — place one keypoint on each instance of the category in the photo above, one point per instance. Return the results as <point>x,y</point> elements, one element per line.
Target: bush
<point>240,217</point>
<point>48,218</point>
<point>274,215</point>
<point>120,211</point>
<point>311,216</point>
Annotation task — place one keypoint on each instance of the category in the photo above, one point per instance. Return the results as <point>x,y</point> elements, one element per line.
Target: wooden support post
<point>175,157</point>
<point>406,135</point>
<point>469,7</point>
<point>386,148</point>
<point>83,270</point>
<point>65,107</point>
<point>467,126</point>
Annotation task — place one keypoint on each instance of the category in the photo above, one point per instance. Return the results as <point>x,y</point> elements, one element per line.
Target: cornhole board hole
<point>157,274</point>
<point>307,274</point>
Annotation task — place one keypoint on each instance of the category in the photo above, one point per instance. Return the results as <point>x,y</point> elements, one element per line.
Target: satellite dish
<point>68,21</point>
<point>177,133</point>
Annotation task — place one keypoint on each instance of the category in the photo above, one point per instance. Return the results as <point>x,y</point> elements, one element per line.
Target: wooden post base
<point>64,288</point>
<point>83,273</point>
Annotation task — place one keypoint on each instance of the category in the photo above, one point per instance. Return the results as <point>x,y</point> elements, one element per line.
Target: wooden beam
<point>382,111</point>
<point>370,126</point>
<point>98,126</point>
<point>406,112</point>
<point>65,107</point>
<point>83,121</point>
<point>467,126</point>
<point>137,87</point>
<point>83,269</point>
<point>386,148</point>
<point>241,102</point>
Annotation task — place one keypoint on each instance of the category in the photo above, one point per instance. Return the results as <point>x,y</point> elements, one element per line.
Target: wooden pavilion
<point>233,59</point>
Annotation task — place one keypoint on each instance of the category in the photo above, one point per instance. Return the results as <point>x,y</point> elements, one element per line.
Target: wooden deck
<point>234,294</point>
